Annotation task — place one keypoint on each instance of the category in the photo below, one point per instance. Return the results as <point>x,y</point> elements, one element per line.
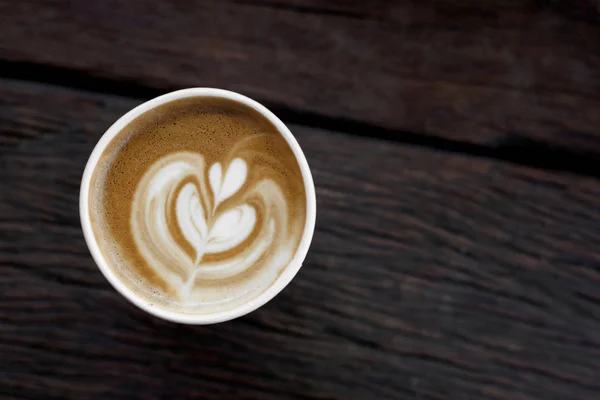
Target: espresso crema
<point>198,205</point>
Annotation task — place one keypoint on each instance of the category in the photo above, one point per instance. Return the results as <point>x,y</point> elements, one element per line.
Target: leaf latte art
<point>198,205</point>
<point>179,220</point>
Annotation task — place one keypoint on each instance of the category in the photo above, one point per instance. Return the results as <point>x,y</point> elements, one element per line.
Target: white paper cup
<point>188,318</point>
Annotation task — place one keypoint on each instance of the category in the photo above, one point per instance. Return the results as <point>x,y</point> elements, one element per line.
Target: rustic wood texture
<point>492,73</point>
<point>431,276</point>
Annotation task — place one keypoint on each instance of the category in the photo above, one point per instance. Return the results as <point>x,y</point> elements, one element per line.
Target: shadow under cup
<point>186,317</point>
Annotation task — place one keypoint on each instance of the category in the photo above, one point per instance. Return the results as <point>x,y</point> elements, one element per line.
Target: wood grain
<point>431,276</point>
<point>485,72</point>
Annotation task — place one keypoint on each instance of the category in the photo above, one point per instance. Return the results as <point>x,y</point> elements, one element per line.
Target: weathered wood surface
<point>492,73</point>
<point>431,276</point>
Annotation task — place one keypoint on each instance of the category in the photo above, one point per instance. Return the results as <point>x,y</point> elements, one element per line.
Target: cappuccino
<point>198,205</point>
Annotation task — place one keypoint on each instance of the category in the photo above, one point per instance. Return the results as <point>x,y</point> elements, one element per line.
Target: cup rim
<point>188,318</point>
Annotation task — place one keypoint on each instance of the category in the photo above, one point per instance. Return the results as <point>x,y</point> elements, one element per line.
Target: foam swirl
<point>198,227</point>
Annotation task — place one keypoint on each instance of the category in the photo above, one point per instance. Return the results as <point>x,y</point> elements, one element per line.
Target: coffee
<point>198,205</point>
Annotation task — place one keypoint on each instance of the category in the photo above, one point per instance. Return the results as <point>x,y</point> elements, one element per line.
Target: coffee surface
<point>198,205</point>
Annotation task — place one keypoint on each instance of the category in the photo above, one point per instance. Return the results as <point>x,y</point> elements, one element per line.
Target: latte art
<point>198,205</point>
<point>240,231</point>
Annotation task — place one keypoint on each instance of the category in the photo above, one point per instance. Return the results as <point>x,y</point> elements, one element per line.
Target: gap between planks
<point>518,150</point>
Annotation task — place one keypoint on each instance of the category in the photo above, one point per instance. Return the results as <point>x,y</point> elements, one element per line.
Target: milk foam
<point>176,185</point>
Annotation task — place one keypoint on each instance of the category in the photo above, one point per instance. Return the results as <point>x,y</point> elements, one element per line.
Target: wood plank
<point>431,275</point>
<point>496,74</point>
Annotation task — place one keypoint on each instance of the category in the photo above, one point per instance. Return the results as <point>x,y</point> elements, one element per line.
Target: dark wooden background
<point>455,147</point>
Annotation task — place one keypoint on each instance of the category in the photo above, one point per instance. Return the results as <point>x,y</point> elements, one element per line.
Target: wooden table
<point>455,147</point>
